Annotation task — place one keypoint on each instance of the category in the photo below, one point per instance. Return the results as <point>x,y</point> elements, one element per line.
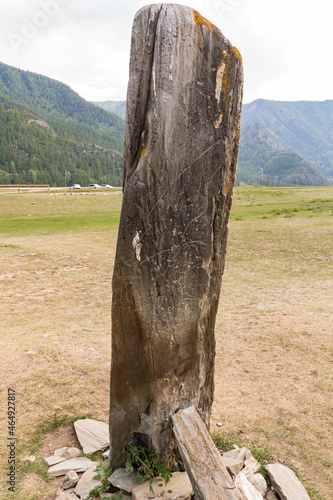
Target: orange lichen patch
<point>229,185</point>
<point>202,21</point>
<point>143,153</point>
<point>237,54</point>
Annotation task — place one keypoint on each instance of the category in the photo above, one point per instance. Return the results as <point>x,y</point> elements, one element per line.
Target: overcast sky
<point>286,45</point>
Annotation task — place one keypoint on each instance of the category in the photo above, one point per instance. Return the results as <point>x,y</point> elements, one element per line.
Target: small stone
<point>219,424</point>
<point>87,483</point>
<point>123,480</point>
<point>246,488</point>
<point>178,488</point>
<point>250,464</point>
<point>270,495</point>
<point>92,435</point>
<point>70,480</point>
<point>259,483</point>
<point>31,458</point>
<point>53,460</point>
<point>285,482</point>
<point>66,495</point>
<point>80,464</point>
<point>67,453</point>
<point>106,454</point>
<point>234,465</point>
<point>237,453</point>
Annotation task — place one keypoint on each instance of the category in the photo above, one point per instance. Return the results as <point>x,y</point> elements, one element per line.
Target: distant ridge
<point>117,107</point>
<point>303,130</point>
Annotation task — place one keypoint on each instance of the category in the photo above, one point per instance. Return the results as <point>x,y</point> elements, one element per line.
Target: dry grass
<point>274,335</point>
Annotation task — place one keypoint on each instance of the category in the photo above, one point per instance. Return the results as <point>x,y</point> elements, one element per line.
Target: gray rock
<point>178,488</point>
<point>123,480</point>
<point>234,465</point>
<point>66,495</point>
<point>67,453</point>
<point>53,460</point>
<point>270,495</point>
<point>180,155</point>
<point>285,482</point>
<point>247,489</point>
<point>70,480</point>
<point>259,483</point>
<point>237,453</point>
<point>92,435</point>
<point>87,483</point>
<point>80,464</point>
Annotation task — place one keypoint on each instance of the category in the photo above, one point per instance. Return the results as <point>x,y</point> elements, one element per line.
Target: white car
<point>106,186</point>
<point>75,186</point>
<point>94,186</point>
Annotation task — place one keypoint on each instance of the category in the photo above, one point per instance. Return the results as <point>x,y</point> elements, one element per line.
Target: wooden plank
<point>209,477</point>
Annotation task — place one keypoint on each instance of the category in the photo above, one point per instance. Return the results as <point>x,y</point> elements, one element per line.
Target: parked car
<point>94,186</point>
<point>75,186</point>
<point>106,186</point>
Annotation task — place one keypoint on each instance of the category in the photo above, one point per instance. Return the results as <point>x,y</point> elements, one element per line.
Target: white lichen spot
<point>219,77</point>
<point>137,246</point>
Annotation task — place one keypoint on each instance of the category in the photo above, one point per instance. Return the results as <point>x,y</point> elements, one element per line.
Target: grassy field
<point>274,364</point>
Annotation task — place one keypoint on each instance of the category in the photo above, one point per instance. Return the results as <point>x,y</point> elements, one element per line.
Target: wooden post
<point>18,189</point>
<point>203,463</point>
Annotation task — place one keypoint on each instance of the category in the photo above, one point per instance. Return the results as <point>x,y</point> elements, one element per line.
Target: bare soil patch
<point>274,354</point>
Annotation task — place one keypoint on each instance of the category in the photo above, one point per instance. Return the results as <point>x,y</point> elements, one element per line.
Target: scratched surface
<point>180,156</point>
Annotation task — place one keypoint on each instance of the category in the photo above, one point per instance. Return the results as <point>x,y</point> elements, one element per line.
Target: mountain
<point>117,107</point>
<point>46,128</point>
<point>301,130</point>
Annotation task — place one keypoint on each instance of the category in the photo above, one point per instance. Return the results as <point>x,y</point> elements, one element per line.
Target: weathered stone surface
<point>270,495</point>
<point>87,483</point>
<point>53,460</point>
<point>259,483</point>
<point>180,155</point>
<point>251,465</point>
<point>179,487</point>
<point>285,482</point>
<point>247,489</point>
<point>236,453</point>
<point>80,464</point>
<point>70,480</point>
<point>123,480</point>
<point>92,435</point>
<point>66,495</point>
<point>233,465</point>
<point>203,463</point>
<point>67,453</point>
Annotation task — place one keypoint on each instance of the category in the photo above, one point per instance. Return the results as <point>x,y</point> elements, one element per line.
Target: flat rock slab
<point>80,464</point>
<point>123,480</point>
<point>285,482</point>
<point>53,460</point>
<point>179,487</point>
<point>87,483</point>
<point>92,435</point>
<point>203,463</point>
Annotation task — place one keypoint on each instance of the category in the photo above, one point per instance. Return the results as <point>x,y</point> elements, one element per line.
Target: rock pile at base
<point>79,473</point>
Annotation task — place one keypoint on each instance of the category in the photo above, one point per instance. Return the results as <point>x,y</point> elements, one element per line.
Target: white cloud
<point>285,45</point>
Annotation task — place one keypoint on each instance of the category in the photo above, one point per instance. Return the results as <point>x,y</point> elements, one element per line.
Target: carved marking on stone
<point>137,246</point>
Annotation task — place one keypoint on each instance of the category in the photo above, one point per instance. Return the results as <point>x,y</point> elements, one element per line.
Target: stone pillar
<point>180,155</point>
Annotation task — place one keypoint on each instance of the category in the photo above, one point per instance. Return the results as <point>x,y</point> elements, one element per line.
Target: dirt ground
<point>274,351</point>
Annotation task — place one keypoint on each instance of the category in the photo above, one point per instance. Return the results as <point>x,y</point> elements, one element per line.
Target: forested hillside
<point>302,129</point>
<point>46,128</point>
